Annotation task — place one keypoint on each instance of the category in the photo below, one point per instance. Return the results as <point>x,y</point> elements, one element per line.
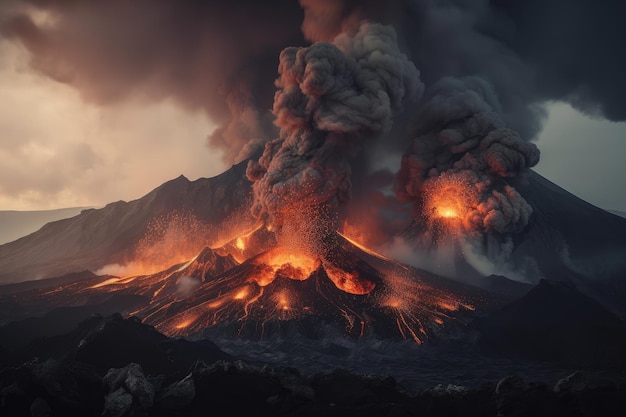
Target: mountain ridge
<point>568,238</point>
<point>97,237</point>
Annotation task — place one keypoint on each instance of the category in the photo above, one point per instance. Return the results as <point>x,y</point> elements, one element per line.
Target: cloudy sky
<point>104,101</point>
<point>57,150</point>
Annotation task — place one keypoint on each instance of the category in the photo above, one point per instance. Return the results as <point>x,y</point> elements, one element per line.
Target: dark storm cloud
<point>217,57</point>
<point>222,58</point>
<point>574,47</point>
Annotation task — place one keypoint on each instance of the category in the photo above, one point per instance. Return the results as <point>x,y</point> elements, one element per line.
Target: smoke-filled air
<point>332,98</point>
<point>363,133</point>
<point>380,240</point>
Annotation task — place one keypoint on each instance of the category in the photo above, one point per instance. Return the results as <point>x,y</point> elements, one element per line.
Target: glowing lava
<point>348,283</point>
<point>449,202</point>
<point>280,263</point>
<point>447,212</point>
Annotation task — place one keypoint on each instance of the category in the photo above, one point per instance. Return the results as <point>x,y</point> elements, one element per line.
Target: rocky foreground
<point>52,388</point>
<point>111,366</point>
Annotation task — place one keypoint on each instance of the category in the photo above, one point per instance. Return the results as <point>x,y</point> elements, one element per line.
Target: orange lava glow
<point>447,203</point>
<point>296,266</point>
<point>349,282</point>
<point>363,248</point>
<point>109,281</point>
<point>448,306</point>
<point>241,294</point>
<point>184,324</point>
<point>447,212</point>
<point>450,200</point>
<point>283,300</point>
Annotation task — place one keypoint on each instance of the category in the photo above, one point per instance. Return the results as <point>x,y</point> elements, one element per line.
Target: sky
<point>56,150</point>
<point>84,122</point>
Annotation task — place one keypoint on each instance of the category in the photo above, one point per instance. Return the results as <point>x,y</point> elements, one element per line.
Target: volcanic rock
<point>117,403</point>
<point>40,408</point>
<point>61,320</point>
<point>113,342</point>
<point>178,394</point>
<point>571,383</point>
<point>132,380</point>
<point>572,240</point>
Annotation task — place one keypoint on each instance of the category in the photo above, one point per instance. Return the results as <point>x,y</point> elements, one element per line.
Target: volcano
<point>251,286</point>
<point>567,238</point>
<point>233,282</point>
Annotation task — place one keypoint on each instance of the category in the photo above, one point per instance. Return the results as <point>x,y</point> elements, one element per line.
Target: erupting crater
<point>253,286</point>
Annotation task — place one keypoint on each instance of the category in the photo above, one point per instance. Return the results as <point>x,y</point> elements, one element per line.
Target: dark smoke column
<point>457,166</point>
<point>331,97</point>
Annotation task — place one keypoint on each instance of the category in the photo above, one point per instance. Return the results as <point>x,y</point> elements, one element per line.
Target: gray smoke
<point>463,142</point>
<point>460,161</point>
<point>331,98</point>
<point>220,57</point>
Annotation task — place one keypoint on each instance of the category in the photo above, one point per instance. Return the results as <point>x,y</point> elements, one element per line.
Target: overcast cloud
<point>105,100</point>
<point>58,151</point>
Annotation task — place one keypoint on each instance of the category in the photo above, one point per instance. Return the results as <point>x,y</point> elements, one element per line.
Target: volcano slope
<point>567,238</point>
<point>117,233</point>
<point>572,240</point>
<point>246,290</point>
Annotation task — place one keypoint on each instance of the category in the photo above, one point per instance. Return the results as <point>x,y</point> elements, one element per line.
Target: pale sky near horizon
<point>57,151</point>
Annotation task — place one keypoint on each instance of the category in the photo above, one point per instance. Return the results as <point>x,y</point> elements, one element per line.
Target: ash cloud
<point>463,142</point>
<point>220,57</point>
<point>574,49</point>
<point>331,98</point>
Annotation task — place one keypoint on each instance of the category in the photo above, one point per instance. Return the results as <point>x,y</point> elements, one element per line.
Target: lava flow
<point>366,293</point>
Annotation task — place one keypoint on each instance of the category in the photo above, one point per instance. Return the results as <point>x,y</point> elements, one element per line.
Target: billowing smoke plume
<point>461,158</point>
<point>330,98</point>
<point>220,58</point>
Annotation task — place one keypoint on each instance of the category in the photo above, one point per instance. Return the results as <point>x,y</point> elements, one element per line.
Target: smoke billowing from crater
<point>457,168</point>
<point>464,150</point>
<point>331,99</point>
